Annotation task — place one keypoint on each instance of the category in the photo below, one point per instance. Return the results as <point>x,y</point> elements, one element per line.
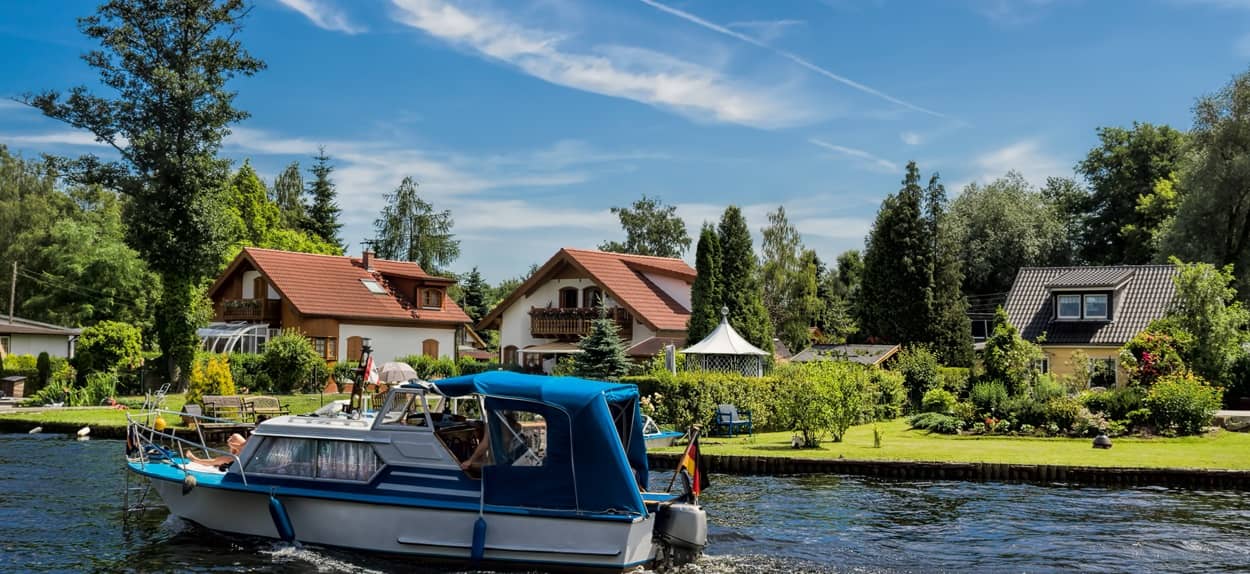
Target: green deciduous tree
<point>651,228</point>
<point>705,294</point>
<point>603,352</point>
<point>289,360</point>
<point>790,282</point>
<point>410,230</point>
<point>108,346</point>
<point>288,195</point>
<point>1009,359</point>
<point>168,64</point>
<point>1000,227</point>
<point>740,281</point>
<point>1206,307</point>
<point>1213,221</point>
<point>323,210</point>
<point>249,201</point>
<point>1124,167</point>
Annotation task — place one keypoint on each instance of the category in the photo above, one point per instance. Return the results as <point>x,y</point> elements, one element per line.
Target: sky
<point>530,119</point>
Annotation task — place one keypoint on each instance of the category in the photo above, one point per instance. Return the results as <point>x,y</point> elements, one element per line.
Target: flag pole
<point>695,431</point>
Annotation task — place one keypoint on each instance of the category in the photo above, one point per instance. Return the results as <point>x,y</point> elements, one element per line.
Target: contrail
<point>789,56</point>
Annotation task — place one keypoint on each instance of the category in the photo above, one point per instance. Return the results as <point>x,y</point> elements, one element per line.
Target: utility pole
<point>13,293</point>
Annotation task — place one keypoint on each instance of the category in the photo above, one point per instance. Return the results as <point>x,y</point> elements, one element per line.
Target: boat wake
<point>283,553</point>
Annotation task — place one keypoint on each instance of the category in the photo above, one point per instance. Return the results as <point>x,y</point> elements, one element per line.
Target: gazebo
<point>725,350</point>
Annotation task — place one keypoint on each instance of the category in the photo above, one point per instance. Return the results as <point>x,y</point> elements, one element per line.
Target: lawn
<point>1222,450</point>
<point>105,416</point>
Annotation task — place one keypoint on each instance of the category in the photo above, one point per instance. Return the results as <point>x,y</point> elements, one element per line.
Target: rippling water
<point>61,511</point>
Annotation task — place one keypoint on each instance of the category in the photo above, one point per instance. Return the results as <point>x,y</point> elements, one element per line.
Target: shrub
<point>431,368</point>
<point>955,379</point>
<point>248,371</point>
<point>1008,358</point>
<point>344,372</point>
<point>565,366</point>
<point>936,422</point>
<point>964,411</point>
<point>919,367</point>
<point>44,366</point>
<point>1115,404</point>
<point>823,397</point>
<point>100,386</point>
<point>469,366</point>
<point>1184,402</point>
<point>108,346</point>
<point>1061,412</point>
<point>691,398</point>
<point>210,375</point>
<point>20,363</point>
<point>1152,354</point>
<point>938,401</point>
<point>886,394</point>
<point>290,360</point>
<point>989,397</point>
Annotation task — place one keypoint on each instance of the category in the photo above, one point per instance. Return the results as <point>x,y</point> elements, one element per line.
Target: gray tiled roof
<point>863,354</point>
<point>1093,277</point>
<point>1144,297</point>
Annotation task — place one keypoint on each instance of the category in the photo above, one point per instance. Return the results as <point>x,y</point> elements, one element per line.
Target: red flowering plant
<point>1153,354</point>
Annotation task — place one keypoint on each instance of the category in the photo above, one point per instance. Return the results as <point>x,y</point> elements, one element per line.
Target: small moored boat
<point>563,479</point>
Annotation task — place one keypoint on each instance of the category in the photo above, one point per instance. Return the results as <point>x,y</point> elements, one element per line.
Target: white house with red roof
<point>546,317</point>
<point>338,302</point>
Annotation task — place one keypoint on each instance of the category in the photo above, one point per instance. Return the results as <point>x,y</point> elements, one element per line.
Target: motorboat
<point>656,437</point>
<point>493,468</point>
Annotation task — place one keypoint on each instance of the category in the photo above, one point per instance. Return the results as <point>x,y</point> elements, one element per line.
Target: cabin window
<point>432,298</point>
<point>519,438</point>
<point>341,460</point>
<point>509,355</point>
<point>568,298</point>
<point>309,458</point>
<point>1069,306</point>
<point>592,297</point>
<point>429,348</point>
<point>1095,306</point>
<point>286,457</point>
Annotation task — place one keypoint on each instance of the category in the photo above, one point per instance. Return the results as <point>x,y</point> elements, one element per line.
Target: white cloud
<point>324,15</point>
<point>687,16</point>
<point>632,73</point>
<point>1026,157</point>
<point>868,159</point>
<point>911,138</point>
<point>766,30</point>
<point>55,138</point>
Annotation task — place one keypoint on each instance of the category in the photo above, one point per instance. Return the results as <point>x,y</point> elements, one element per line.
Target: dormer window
<point>1069,306</point>
<point>1082,306</point>
<point>1095,306</point>
<point>431,298</point>
<point>373,287</point>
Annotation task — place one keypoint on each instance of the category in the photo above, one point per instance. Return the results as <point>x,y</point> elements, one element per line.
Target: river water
<point>61,511</point>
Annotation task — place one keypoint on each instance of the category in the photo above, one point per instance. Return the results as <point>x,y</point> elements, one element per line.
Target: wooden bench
<point>230,410</point>
<point>262,408</point>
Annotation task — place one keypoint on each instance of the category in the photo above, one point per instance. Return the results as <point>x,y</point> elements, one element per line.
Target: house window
<point>373,287</point>
<point>1069,306</point>
<point>5,342</point>
<point>429,348</point>
<point>432,298</point>
<point>1095,306</point>
<point>980,329</point>
<point>1102,373</point>
<point>509,355</point>
<point>568,298</point>
<point>592,297</point>
<point>1042,365</point>
<point>326,347</point>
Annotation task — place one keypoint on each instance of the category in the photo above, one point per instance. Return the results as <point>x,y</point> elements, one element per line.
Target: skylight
<point>373,287</point>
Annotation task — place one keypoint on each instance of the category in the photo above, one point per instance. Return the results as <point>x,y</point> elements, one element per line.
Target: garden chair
<point>729,419</point>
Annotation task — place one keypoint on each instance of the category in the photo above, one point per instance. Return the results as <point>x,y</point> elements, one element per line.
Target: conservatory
<point>239,337</point>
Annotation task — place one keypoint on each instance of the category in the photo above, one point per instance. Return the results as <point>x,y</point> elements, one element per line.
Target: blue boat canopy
<point>596,457</point>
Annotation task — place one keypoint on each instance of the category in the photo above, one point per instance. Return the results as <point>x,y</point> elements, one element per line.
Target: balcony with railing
<point>575,322</point>
<point>255,310</point>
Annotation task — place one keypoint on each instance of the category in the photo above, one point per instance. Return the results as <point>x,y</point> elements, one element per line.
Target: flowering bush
<point>1152,354</point>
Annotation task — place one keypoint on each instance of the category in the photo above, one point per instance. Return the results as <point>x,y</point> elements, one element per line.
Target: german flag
<point>689,464</point>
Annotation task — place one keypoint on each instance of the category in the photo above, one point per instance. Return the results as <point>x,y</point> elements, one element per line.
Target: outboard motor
<point>681,530</point>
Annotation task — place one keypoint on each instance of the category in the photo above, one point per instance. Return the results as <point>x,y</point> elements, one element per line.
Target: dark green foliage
<point>919,368</point>
<point>431,368</point>
<point>323,212</point>
<point>1206,308</point>
<point>740,281</point>
<point>1007,357</point>
<point>603,352</point>
<point>167,64</point>
<point>288,195</point>
<point>896,289</point>
<point>473,294</point>
<point>108,346</point>
<point>248,371</point>
<point>705,294</point>
<point>989,398</point>
<point>43,365</point>
<point>1183,403</point>
<point>954,379</point>
<point>936,423</point>
<point>1239,382</point>
<point>290,360</point>
<point>888,394</point>
<point>1124,168</point>
<point>651,228</point>
<point>950,331</point>
<point>410,230</point>
<point>938,401</point>
<point>835,317</point>
<point>1115,404</point>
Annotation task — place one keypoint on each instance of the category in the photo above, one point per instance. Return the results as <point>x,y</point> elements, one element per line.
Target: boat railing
<point>143,430</point>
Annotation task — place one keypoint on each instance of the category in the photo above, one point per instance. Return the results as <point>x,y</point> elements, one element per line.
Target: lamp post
<point>362,373</point>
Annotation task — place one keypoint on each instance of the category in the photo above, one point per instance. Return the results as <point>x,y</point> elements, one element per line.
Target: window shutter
<point>429,348</point>
<point>353,348</point>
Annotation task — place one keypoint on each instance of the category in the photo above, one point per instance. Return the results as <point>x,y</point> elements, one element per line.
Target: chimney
<point>365,259</point>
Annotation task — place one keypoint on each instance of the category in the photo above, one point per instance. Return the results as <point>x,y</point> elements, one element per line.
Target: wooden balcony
<point>254,310</point>
<point>574,323</point>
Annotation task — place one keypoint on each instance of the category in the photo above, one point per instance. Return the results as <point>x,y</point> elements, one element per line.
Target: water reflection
<point>61,500</point>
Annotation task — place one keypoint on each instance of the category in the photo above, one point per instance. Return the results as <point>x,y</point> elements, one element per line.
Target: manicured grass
<point>1220,450</point>
<point>105,416</point>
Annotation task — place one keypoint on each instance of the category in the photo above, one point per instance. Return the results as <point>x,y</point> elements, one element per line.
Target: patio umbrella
<point>396,372</point>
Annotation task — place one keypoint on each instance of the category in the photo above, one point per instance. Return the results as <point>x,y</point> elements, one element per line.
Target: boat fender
<point>479,539</point>
<point>35,430</point>
<point>188,484</point>
<point>281,522</point>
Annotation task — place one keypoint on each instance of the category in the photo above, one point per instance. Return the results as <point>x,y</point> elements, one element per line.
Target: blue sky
<point>530,118</point>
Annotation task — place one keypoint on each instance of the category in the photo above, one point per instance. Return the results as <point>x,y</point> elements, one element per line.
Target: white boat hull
<point>510,538</point>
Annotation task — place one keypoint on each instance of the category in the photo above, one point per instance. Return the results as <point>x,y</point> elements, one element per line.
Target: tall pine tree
<point>474,292</point>
<point>951,332</point>
<point>705,294</point>
<point>323,213</point>
<point>895,289</point>
<point>740,281</point>
<point>288,195</point>
<point>603,352</point>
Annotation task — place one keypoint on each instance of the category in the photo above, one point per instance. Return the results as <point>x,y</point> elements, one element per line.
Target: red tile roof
<point>621,275</point>
<point>331,285</point>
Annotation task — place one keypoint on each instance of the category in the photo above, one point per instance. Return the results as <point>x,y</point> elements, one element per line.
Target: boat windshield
<point>405,408</point>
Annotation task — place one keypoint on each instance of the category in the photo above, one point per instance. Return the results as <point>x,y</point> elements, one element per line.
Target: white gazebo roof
<point>724,340</point>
